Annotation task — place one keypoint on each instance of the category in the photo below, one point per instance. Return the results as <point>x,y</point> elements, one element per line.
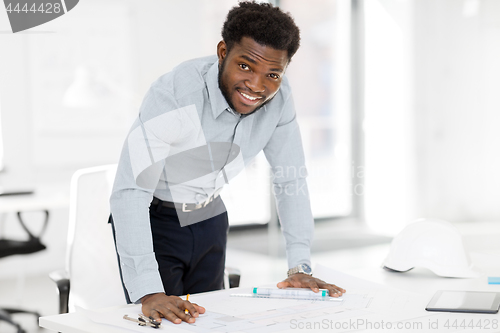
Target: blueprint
<point>365,306</point>
<point>268,320</point>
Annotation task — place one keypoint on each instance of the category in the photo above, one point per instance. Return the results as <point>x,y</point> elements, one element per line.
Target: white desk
<point>422,281</point>
<point>44,198</point>
<point>485,252</point>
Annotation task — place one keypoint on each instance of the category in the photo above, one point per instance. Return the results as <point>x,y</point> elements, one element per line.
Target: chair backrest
<point>91,259</point>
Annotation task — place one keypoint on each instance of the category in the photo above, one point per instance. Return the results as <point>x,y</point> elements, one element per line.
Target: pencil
<point>187,299</point>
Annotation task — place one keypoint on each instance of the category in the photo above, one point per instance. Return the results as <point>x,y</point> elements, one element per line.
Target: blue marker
<point>493,280</point>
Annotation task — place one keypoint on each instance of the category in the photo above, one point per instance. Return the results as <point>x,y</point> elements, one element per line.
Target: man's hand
<point>300,280</point>
<point>170,307</point>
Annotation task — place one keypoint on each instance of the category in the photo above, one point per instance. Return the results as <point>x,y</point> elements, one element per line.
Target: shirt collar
<point>217,100</point>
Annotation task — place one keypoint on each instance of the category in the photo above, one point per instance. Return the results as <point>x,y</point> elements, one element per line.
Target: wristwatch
<point>302,268</point>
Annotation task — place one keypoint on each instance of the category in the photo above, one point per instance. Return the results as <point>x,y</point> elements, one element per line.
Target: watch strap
<point>297,269</point>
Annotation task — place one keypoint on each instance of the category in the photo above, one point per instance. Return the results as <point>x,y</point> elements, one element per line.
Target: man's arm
<point>141,164</point>
<point>285,153</point>
<point>129,204</point>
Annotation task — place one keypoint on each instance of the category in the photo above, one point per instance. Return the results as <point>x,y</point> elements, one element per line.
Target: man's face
<point>250,74</point>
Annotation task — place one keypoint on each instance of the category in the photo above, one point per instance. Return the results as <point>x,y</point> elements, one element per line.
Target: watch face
<point>306,268</point>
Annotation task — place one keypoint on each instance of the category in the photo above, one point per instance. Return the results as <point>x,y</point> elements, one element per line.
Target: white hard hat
<point>433,244</point>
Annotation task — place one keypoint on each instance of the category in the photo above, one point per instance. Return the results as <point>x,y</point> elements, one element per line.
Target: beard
<point>223,86</point>
<point>227,96</point>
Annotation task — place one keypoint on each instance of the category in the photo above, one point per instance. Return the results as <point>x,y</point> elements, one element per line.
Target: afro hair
<point>265,24</point>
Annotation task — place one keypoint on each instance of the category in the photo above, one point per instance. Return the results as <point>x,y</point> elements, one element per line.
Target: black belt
<point>185,207</point>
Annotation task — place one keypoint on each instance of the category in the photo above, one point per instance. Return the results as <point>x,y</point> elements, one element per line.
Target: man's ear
<point>221,51</point>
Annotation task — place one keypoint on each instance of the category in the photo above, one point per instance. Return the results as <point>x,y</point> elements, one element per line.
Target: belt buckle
<point>184,208</point>
<point>201,205</point>
<point>209,200</point>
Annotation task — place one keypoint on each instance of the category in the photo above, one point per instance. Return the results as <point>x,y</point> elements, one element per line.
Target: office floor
<point>336,245</point>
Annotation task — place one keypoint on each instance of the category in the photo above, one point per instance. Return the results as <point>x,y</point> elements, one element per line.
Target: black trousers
<point>191,259</point>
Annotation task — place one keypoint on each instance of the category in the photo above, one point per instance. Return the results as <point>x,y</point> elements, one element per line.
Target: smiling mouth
<point>251,99</point>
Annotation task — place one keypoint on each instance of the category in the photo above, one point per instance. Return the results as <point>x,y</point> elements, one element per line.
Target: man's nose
<point>255,83</point>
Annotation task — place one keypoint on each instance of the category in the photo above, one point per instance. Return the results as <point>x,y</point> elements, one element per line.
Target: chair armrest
<point>61,278</point>
<point>233,275</point>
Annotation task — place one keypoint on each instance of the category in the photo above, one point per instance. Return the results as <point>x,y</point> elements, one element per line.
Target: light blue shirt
<point>185,109</point>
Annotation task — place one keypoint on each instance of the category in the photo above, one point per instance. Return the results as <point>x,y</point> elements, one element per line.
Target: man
<point>197,127</point>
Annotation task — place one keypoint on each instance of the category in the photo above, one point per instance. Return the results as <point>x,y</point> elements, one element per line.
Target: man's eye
<point>274,76</point>
<point>244,66</point>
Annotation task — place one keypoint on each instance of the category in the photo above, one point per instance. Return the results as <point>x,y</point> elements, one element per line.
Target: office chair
<point>9,247</point>
<point>92,277</point>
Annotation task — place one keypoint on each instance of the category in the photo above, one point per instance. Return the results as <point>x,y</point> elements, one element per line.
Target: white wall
<point>16,115</point>
<point>119,41</point>
<point>457,72</point>
<point>432,111</point>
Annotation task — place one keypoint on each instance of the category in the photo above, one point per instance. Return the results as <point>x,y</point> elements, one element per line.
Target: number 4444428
<point>48,8</point>
<point>472,324</point>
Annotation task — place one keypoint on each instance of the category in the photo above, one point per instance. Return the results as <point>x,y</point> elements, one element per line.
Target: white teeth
<point>249,97</point>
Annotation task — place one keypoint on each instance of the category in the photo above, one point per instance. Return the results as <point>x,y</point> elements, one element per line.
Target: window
<point>319,74</point>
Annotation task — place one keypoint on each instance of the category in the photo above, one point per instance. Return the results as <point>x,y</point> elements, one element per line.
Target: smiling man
<point>197,128</point>
<point>251,74</point>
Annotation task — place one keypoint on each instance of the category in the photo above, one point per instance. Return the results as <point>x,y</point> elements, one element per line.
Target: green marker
<point>290,292</point>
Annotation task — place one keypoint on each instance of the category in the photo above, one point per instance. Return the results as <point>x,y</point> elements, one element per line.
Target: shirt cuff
<point>297,255</point>
<point>141,276</point>
<point>146,284</point>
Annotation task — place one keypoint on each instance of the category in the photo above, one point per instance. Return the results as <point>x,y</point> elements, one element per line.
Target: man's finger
<point>170,316</point>
<point>191,308</point>
<point>336,291</point>
<point>284,284</point>
<point>314,286</point>
<point>172,313</point>
<point>199,308</point>
<point>339,290</point>
<point>175,309</point>
<point>333,289</point>
<point>155,314</point>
